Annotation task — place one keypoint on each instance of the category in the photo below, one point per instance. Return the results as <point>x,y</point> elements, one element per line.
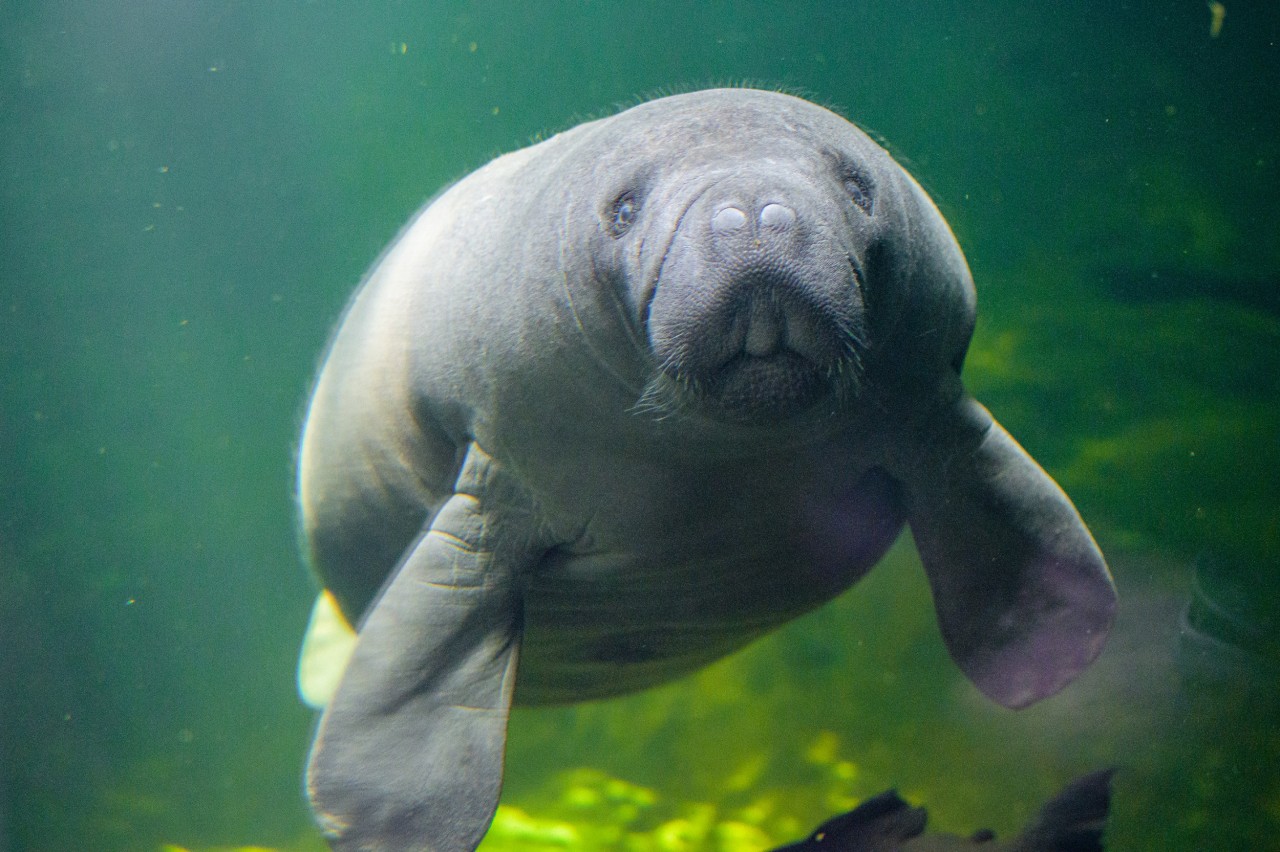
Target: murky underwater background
<point>189,191</point>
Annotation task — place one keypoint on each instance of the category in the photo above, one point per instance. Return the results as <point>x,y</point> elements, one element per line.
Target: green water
<point>189,191</point>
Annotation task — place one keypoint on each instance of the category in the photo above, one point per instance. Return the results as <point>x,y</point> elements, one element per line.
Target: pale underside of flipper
<point>326,649</point>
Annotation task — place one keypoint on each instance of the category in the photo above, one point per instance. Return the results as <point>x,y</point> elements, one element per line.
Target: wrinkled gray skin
<point>617,404</point>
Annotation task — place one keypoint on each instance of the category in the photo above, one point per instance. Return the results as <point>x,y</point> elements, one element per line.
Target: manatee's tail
<point>1073,820</point>
<point>880,824</point>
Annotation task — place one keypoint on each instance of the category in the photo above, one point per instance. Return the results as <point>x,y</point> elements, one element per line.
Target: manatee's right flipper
<point>1023,596</point>
<point>880,824</point>
<point>408,754</point>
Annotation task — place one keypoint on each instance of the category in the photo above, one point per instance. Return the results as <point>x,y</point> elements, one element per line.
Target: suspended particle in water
<point>1217,14</point>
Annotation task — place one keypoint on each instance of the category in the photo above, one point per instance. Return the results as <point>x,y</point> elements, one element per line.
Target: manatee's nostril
<point>777,216</point>
<point>728,219</point>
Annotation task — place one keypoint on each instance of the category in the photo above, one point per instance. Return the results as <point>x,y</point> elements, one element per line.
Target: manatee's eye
<point>622,213</point>
<point>860,190</point>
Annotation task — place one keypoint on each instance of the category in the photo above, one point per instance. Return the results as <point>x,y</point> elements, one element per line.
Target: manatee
<point>1072,821</point>
<point>615,405</point>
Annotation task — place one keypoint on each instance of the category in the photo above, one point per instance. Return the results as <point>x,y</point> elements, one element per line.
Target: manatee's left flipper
<point>408,754</point>
<point>1023,596</point>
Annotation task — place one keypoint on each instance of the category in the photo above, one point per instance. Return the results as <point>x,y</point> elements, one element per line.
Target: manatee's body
<point>617,404</point>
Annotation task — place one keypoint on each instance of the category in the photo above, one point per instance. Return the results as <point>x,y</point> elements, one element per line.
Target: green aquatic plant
<point>594,811</point>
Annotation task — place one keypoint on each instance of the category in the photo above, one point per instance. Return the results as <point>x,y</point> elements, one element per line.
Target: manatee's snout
<point>764,320</point>
<point>757,312</point>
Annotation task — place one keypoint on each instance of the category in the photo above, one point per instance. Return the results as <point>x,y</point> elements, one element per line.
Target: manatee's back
<point>359,505</point>
<point>396,397</point>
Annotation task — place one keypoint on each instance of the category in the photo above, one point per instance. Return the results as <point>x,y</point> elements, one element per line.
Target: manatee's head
<point>747,231</point>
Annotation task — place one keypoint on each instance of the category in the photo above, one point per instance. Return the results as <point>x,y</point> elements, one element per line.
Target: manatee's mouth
<point>748,388</point>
